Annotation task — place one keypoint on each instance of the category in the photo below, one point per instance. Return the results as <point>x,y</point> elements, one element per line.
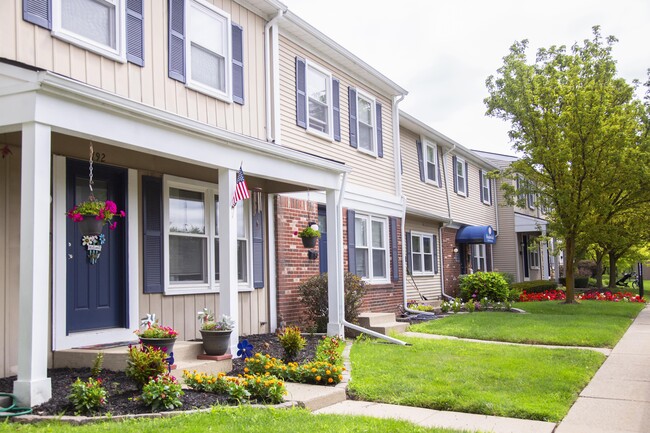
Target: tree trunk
<point>569,269</point>
<point>599,268</point>
<point>612,271</point>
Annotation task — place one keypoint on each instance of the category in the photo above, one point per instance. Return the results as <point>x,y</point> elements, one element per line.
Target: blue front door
<point>96,293</point>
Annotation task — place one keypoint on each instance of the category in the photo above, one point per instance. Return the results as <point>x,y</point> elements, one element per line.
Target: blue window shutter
<point>480,183</point>
<point>490,190</point>
<point>176,40</point>
<point>336,108</point>
<point>352,257</point>
<point>322,242</point>
<point>466,179</point>
<point>258,250</point>
<point>152,228</point>
<point>352,105</point>
<point>435,254</point>
<point>394,259</point>
<point>409,265</point>
<point>455,173</point>
<point>380,138</point>
<point>135,31</point>
<point>439,169</point>
<point>38,12</point>
<point>418,145</point>
<point>301,93</point>
<point>237,64</point>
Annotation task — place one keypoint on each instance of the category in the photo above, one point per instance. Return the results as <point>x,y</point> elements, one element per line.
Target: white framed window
<point>431,162</point>
<point>533,258</point>
<point>461,177</point>
<point>486,187</point>
<point>366,122</point>
<point>530,198</point>
<point>422,253</point>
<point>479,262</point>
<point>191,228</point>
<point>319,100</point>
<point>209,49</point>
<point>96,25</point>
<point>371,247</point>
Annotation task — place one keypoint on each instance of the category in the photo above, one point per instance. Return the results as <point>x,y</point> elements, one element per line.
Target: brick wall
<point>450,261</point>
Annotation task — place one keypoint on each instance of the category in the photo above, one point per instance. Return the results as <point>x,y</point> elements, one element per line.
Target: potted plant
<point>93,214</point>
<point>155,335</point>
<point>309,235</point>
<point>215,334</point>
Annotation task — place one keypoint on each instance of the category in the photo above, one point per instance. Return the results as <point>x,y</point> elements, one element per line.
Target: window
<point>191,220</point>
<point>461,176</point>
<point>366,122</point>
<point>533,258</point>
<point>319,99</point>
<point>371,247</point>
<point>530,198</point>
<point>478,258</point>
<point>97,25</point>
<point>485,188</point>
<point>422,253</point>
<point>208,48</point>
<point>431,162</point>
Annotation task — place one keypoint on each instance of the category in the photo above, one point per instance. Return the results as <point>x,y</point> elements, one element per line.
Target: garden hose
<point>12,410</point>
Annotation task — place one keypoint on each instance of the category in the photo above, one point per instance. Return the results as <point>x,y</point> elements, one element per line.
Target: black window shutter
<point>466,179</point>
<point>258,250</point>
<point>352,105</point>
<point>380,138</point>
<point>135,32</point>
<point>152,223</point>
<point>409,265</point>
<point>394,259</point>
<point>439,155</point>
<point>336,108</point>
<point>435,254</point>
<point>237,64</point>
<point>352,257</point>
<point>480,183</point>
<point>301,93</point>
<point>176,40</point>
<point>38,12</point>
<point>455,172</point>
<point>418,146</point>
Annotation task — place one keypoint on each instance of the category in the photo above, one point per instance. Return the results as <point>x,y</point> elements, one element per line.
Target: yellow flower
<point>330,380</point>
<point>317,378</point>
<point>313,370</point>
<point>328,372</point>
<point>246,370</point>
<point>340,377</point>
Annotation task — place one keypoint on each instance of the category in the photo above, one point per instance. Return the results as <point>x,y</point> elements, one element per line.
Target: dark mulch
<point>123,392</point>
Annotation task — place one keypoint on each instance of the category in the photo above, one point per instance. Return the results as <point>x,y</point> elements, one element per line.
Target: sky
<point>442,52</point>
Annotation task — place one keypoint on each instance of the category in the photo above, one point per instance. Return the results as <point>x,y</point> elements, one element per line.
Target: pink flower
<point>122,213</point>
<point>110,206</point>
<point>77,217</point>
<point>99,217</point>
<point>295,233</point>
<point>113,225</point>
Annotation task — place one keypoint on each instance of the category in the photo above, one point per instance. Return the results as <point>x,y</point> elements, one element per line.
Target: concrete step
<point>391,327</point>
<point>314,397</point>
<point>368,320</point>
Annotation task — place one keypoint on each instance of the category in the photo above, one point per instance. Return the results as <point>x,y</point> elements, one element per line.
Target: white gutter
<point>273,288</point>
<point>268,64</point>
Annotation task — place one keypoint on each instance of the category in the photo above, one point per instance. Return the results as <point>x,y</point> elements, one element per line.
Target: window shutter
<point>380,138</point>
<point>152,224</point>
<point>322,242</point>
<point>135,32</point>
<point>301,93</point>
<point>466,179</point>
<point>393,249</point>
<point>177,40</point>
<point>435,254</point>
<point>488,257</point>
<point>490,189</point>
<point>409,265</point>
<point>237,64</point>
<point>38,12</point>
<point>439,155</point>
<point>418,146</point>
<point>480,183</point>
<point>352,258</point>
<point>336,108</point>
<point>352,105</point>
<point>455,173</point>
<point>258,250</point>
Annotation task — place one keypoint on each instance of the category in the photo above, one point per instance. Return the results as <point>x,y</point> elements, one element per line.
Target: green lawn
<point>590,323</point>
<point>513,381</point>
<point>242,419</point>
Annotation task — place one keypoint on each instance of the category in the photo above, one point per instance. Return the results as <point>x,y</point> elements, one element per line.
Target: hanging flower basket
<point>91,226</point>
<point>309,235</point>
<point>91,216</point>
<point>309,242</point>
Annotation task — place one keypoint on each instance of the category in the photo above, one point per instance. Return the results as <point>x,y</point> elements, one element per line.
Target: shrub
<point>316,372</point>
<point>144,363</point>
<point>413,305</point>
<point>98,364</point>
<point>328,350</point>
<point>291,341</point>
<point>481,285</point>
<point>87,397</point>
<point>510,278</point>
<point>580,282</point>
<point>313,294</point>
<point>537,286</point>
<point>264,389</point>
<point>260,388</point>
<point>162,393</point>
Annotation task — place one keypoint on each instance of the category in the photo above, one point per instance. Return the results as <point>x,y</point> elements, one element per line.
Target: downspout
<point>268,63</point>
<point>450,221</point>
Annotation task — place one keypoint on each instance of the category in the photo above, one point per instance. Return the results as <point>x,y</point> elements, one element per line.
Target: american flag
<point>241,189</point>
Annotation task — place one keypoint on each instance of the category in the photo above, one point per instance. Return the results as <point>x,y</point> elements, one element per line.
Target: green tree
<point>574,122</point>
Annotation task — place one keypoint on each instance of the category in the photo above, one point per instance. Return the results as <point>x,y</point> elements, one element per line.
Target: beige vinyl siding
<point>504,251</point>
<point>150,85</point>
<point>469,210</point>
<point>423,196</point>
<point>429,285</point>
<point>9,263</point>
<point>367,170</point>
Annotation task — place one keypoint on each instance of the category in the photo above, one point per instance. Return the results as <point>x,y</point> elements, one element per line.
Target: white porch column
<point>228,284</point>
<point>335,295</point>
<point>543,260</point>
<point>33,386</point>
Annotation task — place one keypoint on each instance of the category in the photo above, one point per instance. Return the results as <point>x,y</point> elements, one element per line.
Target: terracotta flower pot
<point>89,226</point>
<point>215,343</point>
<point>309,242</point>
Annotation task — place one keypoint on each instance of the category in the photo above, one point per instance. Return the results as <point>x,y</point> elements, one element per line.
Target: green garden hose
<point>12,410</point>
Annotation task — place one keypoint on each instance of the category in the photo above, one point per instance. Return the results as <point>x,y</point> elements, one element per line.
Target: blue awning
<point>476,235</point>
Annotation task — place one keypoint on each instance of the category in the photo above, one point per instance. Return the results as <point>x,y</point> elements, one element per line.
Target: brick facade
<point>293,266</point>
<point>450,261</point>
